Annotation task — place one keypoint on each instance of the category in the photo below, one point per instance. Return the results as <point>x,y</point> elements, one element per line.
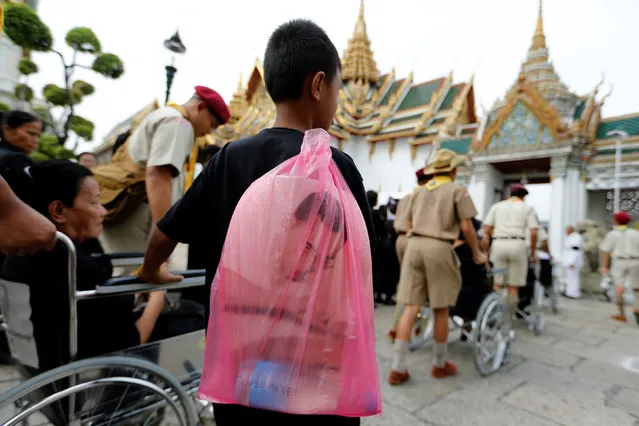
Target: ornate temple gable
<point>527,118</point>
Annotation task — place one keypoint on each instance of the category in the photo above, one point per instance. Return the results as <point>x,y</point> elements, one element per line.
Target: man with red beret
<point>160,146</point>
<point>621,245</point>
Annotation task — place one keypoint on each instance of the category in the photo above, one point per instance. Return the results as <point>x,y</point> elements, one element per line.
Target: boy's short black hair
<point>296,50</point>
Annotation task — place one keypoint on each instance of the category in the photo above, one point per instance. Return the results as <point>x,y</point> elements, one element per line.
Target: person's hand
<point>572,266</point>
<point>480,258</point>
<point>161,276</point>
<point>604,271</point>
<point>534,259</point>
<point>25,231</point>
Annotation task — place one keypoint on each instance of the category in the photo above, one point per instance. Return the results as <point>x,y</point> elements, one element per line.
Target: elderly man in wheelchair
<point>479,313</point>
<point>61,308</point>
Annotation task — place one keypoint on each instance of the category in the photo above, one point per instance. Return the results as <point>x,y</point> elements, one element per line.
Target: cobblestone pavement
<point>584,370</point>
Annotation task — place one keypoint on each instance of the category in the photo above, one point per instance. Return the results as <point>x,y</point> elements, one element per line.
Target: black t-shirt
<point>105,325</point>
<point>203,215</point>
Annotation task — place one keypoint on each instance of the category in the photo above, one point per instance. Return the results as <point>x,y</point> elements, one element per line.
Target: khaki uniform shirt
<point>621,243</point>
<point>401,220</point>
<point>164,138</point>
<point>511,219</point>
<point>438,213</point>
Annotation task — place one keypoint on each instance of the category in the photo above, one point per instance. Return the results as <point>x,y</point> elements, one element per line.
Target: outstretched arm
<point>23,230</point>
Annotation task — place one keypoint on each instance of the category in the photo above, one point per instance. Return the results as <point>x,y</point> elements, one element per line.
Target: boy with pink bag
<point>288,235</point>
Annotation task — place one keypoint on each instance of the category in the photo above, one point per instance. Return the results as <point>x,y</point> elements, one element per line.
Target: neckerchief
<point>436,182</point>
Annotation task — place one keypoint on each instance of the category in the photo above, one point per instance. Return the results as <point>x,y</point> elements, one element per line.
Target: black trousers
<point>233,415</point>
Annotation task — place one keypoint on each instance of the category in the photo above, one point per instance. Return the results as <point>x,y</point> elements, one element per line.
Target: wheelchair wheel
<point>422,331</point>
<point>116,390</point>
<point>490,335</point>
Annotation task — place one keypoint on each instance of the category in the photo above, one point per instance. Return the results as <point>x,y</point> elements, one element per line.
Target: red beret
<point>518,187</point>
<point>622,218</point>
<point>214,102</point>
<point>420,174</point>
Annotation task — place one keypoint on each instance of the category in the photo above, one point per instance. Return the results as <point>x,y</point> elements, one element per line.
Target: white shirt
<point>573,257</point>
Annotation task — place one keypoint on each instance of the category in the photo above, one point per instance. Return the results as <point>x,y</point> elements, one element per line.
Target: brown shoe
<point>397,378</point>
<point>620,318</point>
<point>392,335</point>
<point>449,369</point>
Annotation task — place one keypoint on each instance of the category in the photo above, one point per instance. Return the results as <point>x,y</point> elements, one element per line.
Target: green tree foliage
<point>23,92</point>
<point>24,27</point>
<point>26,66</point>
<point>4,107</point>
<point>108,65</point>
<point>82,127</point>
<point>49,148</point>
<point>83,40</point>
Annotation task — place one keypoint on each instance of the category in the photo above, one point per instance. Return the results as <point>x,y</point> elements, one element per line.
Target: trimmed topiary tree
<point>24,27</point>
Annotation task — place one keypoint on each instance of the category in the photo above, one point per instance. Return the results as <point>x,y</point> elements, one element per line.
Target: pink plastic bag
<point>292,317</point>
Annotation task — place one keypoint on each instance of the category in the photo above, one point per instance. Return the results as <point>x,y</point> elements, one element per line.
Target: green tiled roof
<point>460,146</point>
<point>420,95</point>
<point>407,118</point>
<point>580,109</point>
<point>390,92</point>
<point>613,151</point>
<point>450,97</point>
<point>629,125</point>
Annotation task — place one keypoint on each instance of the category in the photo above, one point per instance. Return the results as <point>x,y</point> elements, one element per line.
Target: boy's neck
<point>293,115</point>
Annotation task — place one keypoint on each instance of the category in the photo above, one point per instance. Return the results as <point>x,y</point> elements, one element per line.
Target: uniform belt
<point>432,238</point>
<point>627,258</point>
<point>509,238</point>
<point>401,233</point>
<point>576,248</point>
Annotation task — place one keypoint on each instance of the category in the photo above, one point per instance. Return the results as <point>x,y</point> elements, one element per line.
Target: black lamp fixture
<point>175,46</point>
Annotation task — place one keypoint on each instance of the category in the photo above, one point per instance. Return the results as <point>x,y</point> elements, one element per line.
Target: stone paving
<point>584,370</point>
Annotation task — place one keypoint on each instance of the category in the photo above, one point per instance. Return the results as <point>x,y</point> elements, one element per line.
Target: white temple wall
<point>485,181</point>
<point>10,55</point>
<point>391,175</point>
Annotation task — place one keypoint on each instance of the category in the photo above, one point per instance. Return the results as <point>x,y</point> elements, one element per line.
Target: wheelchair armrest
<point>126,280</point>
<point>134,285</point>
<point>125,259</point>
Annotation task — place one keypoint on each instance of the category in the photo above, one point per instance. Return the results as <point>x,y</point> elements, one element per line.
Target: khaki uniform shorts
<point>430,271</point>
<point>623,270</point>
<point>511,255</point>
<point>400,247</point>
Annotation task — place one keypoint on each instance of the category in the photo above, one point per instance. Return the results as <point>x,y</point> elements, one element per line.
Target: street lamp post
<point>175,46</point>
<point>620,136</point>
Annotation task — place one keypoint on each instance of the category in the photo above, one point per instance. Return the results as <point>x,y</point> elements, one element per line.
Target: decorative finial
<point>358,63</point>
<point>539,39</point>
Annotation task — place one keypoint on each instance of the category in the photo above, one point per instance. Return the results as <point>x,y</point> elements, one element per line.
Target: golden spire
<point>539,39</point>
<point>358,63</point>
<point>238,102</point>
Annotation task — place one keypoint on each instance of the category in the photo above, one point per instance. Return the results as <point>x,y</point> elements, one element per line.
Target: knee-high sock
<point>513,302</point>
<point>439,352</point>
<point>620,304</point>
<point>399,358</point>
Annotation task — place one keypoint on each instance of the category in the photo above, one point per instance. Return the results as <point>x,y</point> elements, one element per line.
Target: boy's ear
<point>317,85</point>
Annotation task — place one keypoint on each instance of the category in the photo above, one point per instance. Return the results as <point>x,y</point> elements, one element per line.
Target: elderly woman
<point>68,195</point>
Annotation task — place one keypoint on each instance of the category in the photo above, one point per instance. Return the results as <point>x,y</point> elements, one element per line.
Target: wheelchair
<point>151,384</point>
<point>539,296</point>
<point>480,314</point>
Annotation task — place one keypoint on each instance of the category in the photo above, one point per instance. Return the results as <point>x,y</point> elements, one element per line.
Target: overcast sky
<point>490,37</point>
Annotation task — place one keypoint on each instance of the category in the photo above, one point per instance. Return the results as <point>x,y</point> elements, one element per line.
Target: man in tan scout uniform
<point>510,223</point>
<point>622,246</point>
<point>439,210</point>
<point>402,228</point>
<point>159,147</point>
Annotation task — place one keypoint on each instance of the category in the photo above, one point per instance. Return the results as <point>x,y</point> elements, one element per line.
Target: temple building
<point>539,132</point>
